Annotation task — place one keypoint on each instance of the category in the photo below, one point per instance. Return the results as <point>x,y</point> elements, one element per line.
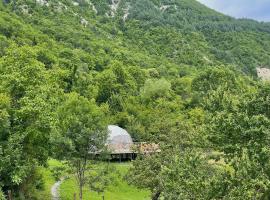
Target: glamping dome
<point>119,141</point>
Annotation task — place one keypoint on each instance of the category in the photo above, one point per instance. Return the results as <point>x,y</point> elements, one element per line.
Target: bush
<point>58,172</point>
<point>2,196</point>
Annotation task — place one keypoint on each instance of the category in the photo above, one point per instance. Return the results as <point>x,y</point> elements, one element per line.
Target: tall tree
<point>82,134</point>
<point>27,102</point>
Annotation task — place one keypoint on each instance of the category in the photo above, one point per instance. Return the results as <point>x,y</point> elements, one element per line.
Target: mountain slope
<point>181,31</point>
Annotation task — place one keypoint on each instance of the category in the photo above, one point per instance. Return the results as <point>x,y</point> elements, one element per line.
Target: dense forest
<point>172,72</point>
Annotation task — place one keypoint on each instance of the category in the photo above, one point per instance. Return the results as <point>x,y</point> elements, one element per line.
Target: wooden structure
<point>122,147</point>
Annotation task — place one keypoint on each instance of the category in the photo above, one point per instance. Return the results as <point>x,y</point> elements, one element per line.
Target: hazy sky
<point>254,9</point>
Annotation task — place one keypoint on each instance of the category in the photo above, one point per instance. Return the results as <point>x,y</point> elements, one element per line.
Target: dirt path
<point>55,189</point>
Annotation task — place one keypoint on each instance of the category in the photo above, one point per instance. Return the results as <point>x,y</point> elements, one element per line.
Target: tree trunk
<point>9,195</point>
<point>80,168</point>
<point>81,192</point>
<point>156,195</point>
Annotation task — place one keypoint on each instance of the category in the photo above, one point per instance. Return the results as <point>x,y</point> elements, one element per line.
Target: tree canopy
<point>174,73</point>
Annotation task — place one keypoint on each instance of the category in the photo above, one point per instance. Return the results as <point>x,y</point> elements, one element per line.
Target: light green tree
<point>82,135</point>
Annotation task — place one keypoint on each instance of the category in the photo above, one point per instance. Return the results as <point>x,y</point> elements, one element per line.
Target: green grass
<point>48,178</point>
<point>119,191</point>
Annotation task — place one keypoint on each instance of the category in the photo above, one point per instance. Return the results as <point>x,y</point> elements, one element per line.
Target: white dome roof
<point>119,140</point>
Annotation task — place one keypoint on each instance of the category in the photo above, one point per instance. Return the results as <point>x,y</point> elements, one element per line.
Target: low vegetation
<point>118,188</point>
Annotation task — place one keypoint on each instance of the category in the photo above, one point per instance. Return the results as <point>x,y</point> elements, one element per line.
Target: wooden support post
<point>74,196</point>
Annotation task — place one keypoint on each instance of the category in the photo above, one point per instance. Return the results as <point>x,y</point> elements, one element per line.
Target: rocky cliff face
<point>139,9</point>
<point>263,73</point>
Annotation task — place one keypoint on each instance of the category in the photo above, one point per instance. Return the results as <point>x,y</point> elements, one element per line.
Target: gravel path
<point>55,188</point>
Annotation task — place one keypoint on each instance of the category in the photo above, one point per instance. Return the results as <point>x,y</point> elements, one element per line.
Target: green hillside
<point>174,30</point>
<point>172,72</point>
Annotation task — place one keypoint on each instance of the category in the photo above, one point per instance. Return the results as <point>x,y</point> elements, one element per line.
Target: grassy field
<point>118,191</point>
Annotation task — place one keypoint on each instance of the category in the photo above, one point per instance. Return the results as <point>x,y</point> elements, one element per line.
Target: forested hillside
<point>172,72</point>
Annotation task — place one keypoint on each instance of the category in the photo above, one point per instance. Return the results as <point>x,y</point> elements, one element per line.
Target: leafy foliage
<point>170,72</point>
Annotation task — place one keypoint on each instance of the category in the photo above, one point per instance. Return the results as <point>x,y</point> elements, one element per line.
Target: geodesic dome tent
<point>119,141</point>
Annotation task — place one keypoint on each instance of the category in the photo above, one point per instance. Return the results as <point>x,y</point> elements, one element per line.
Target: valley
<point>188,84</point>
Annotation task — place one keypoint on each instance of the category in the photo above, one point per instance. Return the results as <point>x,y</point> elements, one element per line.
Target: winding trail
<point>55,189</point>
